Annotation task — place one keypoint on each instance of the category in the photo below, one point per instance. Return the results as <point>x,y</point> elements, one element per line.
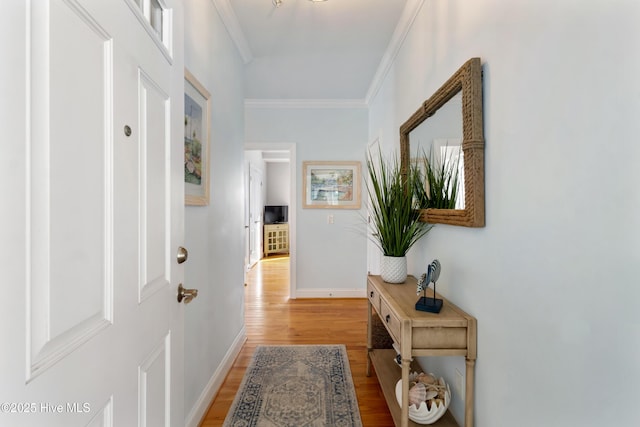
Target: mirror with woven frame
<point>467,82</point>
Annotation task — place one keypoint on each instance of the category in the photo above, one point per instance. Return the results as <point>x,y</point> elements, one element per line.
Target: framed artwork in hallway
<point>331,184</point>
<point>197,141</point>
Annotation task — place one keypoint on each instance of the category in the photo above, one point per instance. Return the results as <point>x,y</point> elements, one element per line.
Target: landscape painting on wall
<point>196,141</point>
<point>192,141</point>
<point>331,184</point>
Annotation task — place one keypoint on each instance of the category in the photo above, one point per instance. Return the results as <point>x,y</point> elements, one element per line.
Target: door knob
<point>182,255</point>
<point>186,294</point>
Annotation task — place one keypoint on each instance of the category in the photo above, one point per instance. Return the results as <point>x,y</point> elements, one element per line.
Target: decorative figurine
<point>432,305</point>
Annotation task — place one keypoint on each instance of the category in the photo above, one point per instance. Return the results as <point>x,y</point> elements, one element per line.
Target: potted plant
<point>394,214</point>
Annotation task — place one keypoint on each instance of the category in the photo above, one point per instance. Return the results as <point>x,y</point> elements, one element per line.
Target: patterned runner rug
<point>296,386</point>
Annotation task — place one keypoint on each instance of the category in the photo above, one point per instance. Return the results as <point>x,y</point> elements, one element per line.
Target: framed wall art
<point>197,141</point>
<point>331,185</point>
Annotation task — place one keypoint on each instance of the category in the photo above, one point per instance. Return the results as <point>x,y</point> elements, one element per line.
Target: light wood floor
<point>272,319</point>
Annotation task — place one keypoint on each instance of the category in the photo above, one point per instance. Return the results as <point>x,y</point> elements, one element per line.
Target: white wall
<point>331,258</point>
<point>552,277</point>
<point>214,234</point>
<point>278,187</point>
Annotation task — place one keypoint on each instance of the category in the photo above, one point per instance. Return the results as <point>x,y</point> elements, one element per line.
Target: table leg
<point>406,367</point>
<point>369,338</point>
<point>468,393</point>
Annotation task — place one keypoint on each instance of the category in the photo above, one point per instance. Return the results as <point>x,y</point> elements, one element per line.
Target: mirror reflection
<point>436,151</point>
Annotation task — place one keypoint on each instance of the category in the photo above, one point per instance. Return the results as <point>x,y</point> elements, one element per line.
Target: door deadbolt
<point>182,255</point>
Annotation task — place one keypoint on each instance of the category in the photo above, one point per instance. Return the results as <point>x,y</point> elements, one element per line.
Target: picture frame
<point>331,185</point>
<point>197,141</point>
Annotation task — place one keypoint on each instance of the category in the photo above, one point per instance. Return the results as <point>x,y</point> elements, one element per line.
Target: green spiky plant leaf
<point>442,181</point>
<point>394,212</point>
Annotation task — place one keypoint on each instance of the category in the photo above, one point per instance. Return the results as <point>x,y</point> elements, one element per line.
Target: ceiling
<point>302,50</point>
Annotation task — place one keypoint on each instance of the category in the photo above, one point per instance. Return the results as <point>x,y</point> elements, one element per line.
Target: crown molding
<point>409,14</point>
<point>305,103</point>
<point>405,22</point>
<point>230,20</point>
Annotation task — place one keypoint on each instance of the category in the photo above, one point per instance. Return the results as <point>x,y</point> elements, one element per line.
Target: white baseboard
<point>330,293</point>
<point>201,406</point>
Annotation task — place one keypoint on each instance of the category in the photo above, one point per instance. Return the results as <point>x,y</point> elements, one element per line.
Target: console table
<point>452,332</point>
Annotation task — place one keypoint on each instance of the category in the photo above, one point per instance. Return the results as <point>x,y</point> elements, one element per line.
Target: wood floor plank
<point>271,318</point>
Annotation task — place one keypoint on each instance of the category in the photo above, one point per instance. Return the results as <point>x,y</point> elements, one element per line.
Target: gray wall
<point>331,258</point>
<point>214,234</point>
<point>551,278</point>
<point>277,183</point>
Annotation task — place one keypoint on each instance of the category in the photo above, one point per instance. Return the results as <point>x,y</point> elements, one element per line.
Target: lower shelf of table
<point>388,373</point>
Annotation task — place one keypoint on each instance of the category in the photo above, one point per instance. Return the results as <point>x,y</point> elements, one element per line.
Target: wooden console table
<point>452,332</point>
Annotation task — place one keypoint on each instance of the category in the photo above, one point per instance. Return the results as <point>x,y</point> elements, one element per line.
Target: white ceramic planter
<point>393,269</point>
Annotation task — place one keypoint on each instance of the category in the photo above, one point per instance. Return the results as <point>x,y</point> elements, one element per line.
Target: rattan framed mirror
<point>468,81</point>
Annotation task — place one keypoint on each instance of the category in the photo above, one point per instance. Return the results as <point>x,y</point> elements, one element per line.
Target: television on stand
<point>276,214</point>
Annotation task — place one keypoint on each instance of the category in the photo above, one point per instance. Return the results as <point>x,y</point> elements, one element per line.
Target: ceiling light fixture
<point>278,3</point>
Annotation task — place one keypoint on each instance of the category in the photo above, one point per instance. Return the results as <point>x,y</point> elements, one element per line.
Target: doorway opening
<point>258,156</point>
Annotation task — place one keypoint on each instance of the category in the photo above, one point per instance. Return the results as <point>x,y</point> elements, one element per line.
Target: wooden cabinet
<point>452,332</point>
<point>276,239</point>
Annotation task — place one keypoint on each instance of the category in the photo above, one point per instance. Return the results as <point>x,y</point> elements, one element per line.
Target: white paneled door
<point>92,213</point>
<point>255,215</point>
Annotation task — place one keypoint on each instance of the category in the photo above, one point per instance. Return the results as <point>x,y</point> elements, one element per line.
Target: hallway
<point>272,319</point>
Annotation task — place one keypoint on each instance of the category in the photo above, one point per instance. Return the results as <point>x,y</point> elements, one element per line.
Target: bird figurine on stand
<point>433,304</point>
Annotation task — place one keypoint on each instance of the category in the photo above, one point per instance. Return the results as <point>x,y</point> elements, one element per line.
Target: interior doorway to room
<point>258,157</point>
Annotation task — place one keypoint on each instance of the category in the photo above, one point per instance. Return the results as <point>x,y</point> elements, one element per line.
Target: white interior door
<point>93,333</point>
<point>247,222</point>
<point>255,215</point>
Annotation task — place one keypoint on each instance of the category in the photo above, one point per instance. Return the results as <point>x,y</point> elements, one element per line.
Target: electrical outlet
<point>329,219</point>
<point>459,385</point>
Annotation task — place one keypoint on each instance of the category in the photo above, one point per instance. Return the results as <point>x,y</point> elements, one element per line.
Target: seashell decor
<point>429,397</point>
<point>417,394</point>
